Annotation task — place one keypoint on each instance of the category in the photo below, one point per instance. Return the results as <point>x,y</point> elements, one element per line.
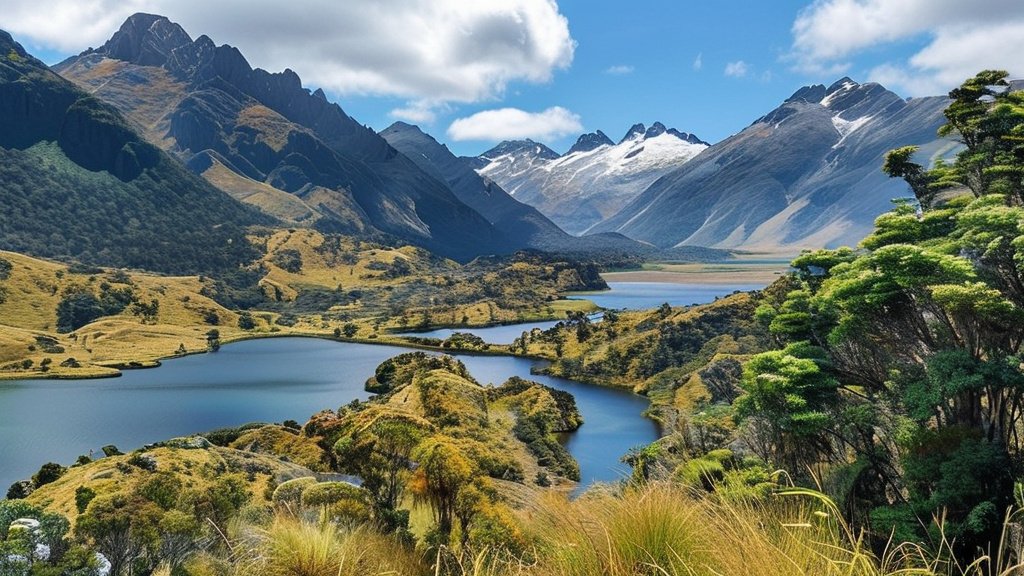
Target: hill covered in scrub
<point>77,182</point>
<point>436,454</point>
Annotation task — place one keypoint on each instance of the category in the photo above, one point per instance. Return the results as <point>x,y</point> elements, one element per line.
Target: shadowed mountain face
<point>77,181</point>
<point>513,218</point>
<point>265,139</point>
<point>808,174</point>
<point>591,181</point>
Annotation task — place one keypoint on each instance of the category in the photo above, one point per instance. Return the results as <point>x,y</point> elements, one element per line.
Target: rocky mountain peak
<point>634,131</point>
<point>811,94</point>
<point>686,137</point>
<point>656,129</point>
<point>146,39</point>
<point>521,147</point>
<point>591,141</point>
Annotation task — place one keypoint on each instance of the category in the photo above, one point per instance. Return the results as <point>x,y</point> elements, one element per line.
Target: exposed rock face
<point>197,99</point>
<point>807,174</point>
<point>591,181</point>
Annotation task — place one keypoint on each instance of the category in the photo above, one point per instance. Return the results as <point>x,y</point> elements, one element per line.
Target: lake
<point>267,380</point>
<point>645,295</point>
<point>492,334</point>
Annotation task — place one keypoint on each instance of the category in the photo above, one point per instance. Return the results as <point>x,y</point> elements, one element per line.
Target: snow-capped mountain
<point>594,179</point>
<point>808,174</point>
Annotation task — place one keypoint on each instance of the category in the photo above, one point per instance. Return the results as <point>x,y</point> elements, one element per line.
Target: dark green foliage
<point>83,495</point>
<point>49,472</point>
<point>245,321</point>
<point>289,260</point>
<point>162,489</point>
<point>225,436</point>
<point>213,340</point>
<point>917,365</point>
<point>465,340</point>
<point>18,490</point>
<point>535,433</point>
<point>350,329</point>
<point>5,269</point>
<point>956,470</point>
<point>237,288</point>
<point>148,312</point>
<point>81,307</point>
<point>77,310</point>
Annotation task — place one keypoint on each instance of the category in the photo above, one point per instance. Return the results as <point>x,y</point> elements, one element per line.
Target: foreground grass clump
<point>659,529</point>
<point>290,547</point>
<point>664,529</point>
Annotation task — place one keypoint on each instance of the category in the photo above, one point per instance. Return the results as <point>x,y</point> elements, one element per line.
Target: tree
<point>213,340</point>
<point>122,528</point>
<point>381,456</point>
<point>917,338</point>
<point>350,329</point>
<point>442,473</point>
<point>180,536</point>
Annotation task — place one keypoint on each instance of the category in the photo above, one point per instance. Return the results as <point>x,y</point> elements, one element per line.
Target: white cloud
<point>619,70</point>
<point>444,50</point>
<point>698,62</point>
<point>416,112</point>
<point>516,124</point>
<point>962,39</point>
<point>737,69</point>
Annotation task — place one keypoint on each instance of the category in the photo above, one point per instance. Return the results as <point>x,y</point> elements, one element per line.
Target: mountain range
<point>512,217</point>
<point>594,179</point>
<point>151,109</point>
<point>268,141</point>
<point>807,174</point>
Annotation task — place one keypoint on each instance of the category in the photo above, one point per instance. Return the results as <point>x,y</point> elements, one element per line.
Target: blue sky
<point>546,70</point>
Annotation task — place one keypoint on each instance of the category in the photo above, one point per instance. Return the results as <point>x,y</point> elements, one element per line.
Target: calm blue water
<point>645,295</point>
<point>262,380</point>
<point>491,334</point>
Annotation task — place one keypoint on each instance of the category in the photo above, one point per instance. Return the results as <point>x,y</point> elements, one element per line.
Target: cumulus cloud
<point>423,112</point>
<point>619,70</point>
<point>441,50</point>
<point>737,69</point>
<point>962,39</point>
<point>516,124</point>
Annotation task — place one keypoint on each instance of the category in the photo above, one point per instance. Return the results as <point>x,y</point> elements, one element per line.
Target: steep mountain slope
<point>77,182</point>
<point>808,174</point>
<point>594,179</point>
<point>269,141</point>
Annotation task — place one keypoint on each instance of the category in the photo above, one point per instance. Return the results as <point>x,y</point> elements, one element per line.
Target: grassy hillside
<point>307,284</point>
